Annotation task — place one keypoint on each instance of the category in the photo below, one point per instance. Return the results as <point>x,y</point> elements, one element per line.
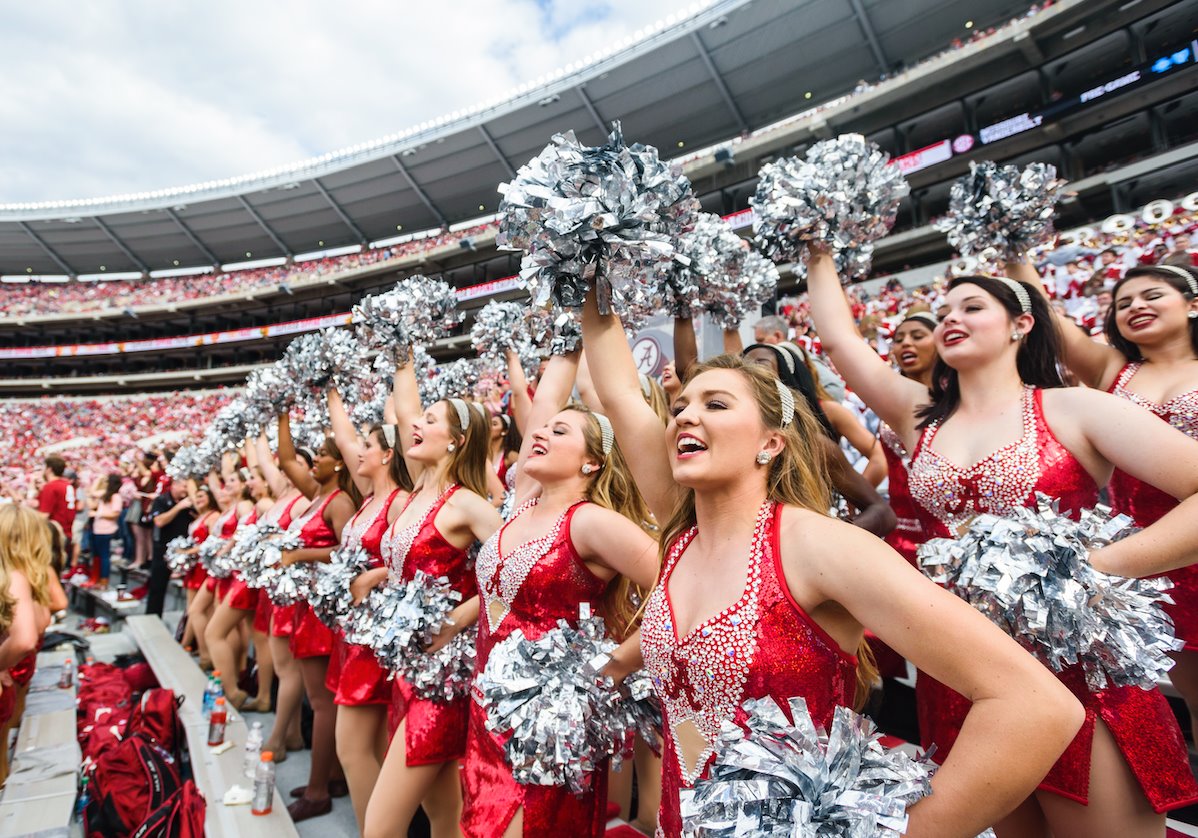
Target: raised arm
<point>586,387</point>
<point>521,401</point>
<point>637,427</point>
<point>553,393</point>
<point>346,436</point>
<point>217,488</point>
<point>405,399</point>
<point>1095,364</point>
<point>848,426</point>
<point>274,477</point>
<point>891,396</point>
<point>299,476</point>
<point>873,512</point>
<point>733,345</point>
<point>686,346</point>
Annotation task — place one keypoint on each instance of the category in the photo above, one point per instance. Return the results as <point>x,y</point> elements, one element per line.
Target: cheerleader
<point>333,499</point>
<point>198,530</point>
<point>997,380</point>
<point>1150,359</point>
<point>239,603</point>
<point>360,687</point>
<point>445,448</point>
<point>576,538</point>
<point>285,735</point>
<point>762,594</point>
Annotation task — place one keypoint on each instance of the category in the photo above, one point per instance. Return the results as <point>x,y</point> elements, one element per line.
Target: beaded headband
<point>244,473</point>
<point>924,316</point>
<point>606,435</point>
<point>1184,274</point>
<point>1020,292</point>
<point>787,400</point>
<point>463,411</point>
<point>389,435</point>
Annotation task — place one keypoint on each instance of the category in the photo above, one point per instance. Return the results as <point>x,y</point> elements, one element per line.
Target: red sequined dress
<point>355,677</point>
<point>193,580</point>
<point>280,516</point>
<point>763,645</point>
<point>1140,720</point>
<point>310,638</point>
<point>282,617</point>
<point>1146,503</point>
<point>434,731</point>
<point>224,528</point>
<point>238,594</point>
<point>908,533</point>
<point>529,588</point>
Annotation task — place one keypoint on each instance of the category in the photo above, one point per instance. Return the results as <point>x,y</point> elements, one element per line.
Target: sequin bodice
<point>908,533</point>
<point>314,530</point>
<point>1142,501</point>
<point>198,529</point>
<point>226,524</point>
<point>552,587</point>
<point>367,532</point>
<point>280,513</point>
<point>420,546</point>
<point>762,645</point>
<point>948,497</point>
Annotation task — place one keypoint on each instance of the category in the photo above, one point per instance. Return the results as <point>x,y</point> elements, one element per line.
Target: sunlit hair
<point>470,459</point>
<point>25,548</point>
<point>656,399</point>
<point>398,467</point>
<point>1169,277</point>
<point>798,476</point>
<point>612,487</point>
<point>345,480</point>
<point>1036,360</point>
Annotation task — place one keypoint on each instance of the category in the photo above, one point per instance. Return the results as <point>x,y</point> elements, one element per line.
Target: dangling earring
<point>451,448</point>
<point>763,457</point>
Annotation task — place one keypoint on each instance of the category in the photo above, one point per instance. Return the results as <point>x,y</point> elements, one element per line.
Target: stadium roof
<point>732,67</point>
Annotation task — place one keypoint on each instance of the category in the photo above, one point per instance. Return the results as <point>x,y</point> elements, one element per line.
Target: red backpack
<point>127,783</point>
<point>181,816</point>
<point>157,716</point>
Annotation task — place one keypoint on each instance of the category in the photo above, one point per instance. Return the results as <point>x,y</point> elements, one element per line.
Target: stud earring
<point>763,457</point>
<point>451,448</point>
<point>336,468</point>
<point>1193,315</point>
<point>587,468</point>
<point>1016,336</point>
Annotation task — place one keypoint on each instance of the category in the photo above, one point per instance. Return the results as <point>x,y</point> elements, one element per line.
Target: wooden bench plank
<point>25,817</point>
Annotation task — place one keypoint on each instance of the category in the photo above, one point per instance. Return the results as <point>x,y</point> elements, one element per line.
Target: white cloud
<point>118,97</point>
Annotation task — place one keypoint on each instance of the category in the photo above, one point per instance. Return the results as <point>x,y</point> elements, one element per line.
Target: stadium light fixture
<point>807,95</point>
<point>969,24</point>
<point>185,271</point>
<point>260,263</point>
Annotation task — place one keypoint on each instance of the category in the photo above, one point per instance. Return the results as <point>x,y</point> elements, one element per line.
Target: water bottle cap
<point>267,756</point>
<point>216,673</point>
<point>220,701</point>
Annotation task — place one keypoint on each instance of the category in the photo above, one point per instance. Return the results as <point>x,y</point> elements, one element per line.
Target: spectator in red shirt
<point>56,500</point>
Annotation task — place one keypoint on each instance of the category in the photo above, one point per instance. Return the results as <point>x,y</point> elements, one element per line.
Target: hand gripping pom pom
<point>843,196</point>
<point>1002,209</point>
<point>285,585</point>
<point>778,779</point>
<point>500,328</point>
<point>563,717</point>
<point>601,216</point>
<point>417,311</point>
<point>399,619</point>
<point>177,559</point>
<point>330,596</point>
<point>557,331</point>
<point>1029,572</point>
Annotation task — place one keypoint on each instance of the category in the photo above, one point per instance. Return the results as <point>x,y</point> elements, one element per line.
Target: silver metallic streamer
<point>1002,208</point>
<point>177,559</point>
<point>1029,572</point>
<point>399,621</point>
<point>778,779</point>
<point>842,196</point>
<point>417,311</point>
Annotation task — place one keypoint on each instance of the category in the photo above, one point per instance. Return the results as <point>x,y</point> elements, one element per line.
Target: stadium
<point>128,321</point>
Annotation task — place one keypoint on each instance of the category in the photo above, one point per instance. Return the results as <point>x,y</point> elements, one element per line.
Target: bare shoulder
<point>466,501</point>
<point>810,537</point>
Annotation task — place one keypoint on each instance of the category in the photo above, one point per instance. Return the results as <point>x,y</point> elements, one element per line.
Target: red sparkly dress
<point>238,594</point>
<point>310,638</point>
<point>1140,720</point>
<point>434,731</point>
<point>194,578</point>
<point>355,677</point>
<point>908,533</point>
<point>1146,503</point>
<point>280,516</point>
<point>224,528</point>
<point>763,645</point>
<point>528,588</point>
<point>282,617</point>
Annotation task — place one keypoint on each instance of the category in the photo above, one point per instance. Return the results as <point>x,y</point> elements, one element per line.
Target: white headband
<point>787,400</point>
<point>606,434</point>
<point>923,316</point>
<point>463,411</point>
<point>389,435</point>
<point>1020,292</point>
<point>1184,274</point>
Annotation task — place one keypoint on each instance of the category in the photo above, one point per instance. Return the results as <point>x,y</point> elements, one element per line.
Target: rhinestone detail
<point>1181,411</point>
<point>397,544</point>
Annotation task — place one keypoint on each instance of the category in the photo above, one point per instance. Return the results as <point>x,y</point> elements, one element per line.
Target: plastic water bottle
<point>253,747</point>
<point>84,799</point>
<point>264,785</point>
<point>67,679</point>
<point>216,723</point>
<point>209,698</point>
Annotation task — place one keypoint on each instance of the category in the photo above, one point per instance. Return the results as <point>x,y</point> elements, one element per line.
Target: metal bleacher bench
<point>40,795</point>
<point>213,775</point>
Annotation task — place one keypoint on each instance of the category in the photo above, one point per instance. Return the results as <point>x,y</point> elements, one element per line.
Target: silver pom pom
<point>564,718</point>
<point>778,779</point>
<point>330,596</point>
<point>398,621</point>
<point>418,310</point>
<point>1002,209</point>
<point>716,272</point>
<point>455,380</point>
<point>1029,572</point>
<point>447,673</point>
<point>843,196</point>
<point>557,331</point>
<point>177,557</point>
<point>285,585</point>
<point>602,216</point>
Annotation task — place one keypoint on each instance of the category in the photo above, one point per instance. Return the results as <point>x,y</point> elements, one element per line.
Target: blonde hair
<point>798,476</point>
<point>25,548</point>
<point>612,487</point>
<point>470,459</point>
<point>657,399</point>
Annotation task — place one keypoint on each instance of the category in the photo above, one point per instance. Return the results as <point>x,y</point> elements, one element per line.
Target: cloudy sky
<point>104,98</point>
